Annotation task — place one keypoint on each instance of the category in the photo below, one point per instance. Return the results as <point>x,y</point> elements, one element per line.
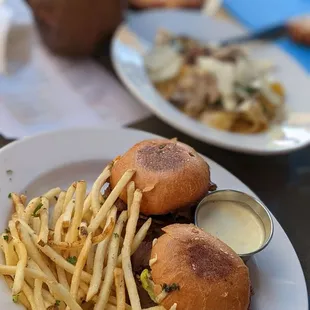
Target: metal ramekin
<point>255,204</point>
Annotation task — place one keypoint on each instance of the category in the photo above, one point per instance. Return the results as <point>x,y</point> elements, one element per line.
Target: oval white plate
<point>134,38</point>
<point>57,159</point>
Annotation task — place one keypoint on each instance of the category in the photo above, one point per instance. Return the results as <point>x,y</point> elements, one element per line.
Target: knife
<point>266,34</point>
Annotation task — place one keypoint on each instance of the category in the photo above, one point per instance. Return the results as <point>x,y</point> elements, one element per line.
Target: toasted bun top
<point>171,174</point>
<point>210,275</point>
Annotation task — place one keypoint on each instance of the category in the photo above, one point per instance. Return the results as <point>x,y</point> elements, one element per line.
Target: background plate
<point>136,36</point>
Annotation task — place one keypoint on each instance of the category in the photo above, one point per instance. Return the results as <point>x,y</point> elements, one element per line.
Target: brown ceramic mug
<point>74,27</point>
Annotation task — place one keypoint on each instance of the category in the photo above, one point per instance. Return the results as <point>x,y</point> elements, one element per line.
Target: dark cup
<point>74,27</point>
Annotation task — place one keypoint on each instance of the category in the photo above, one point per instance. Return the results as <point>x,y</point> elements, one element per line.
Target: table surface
<point>282,181</point>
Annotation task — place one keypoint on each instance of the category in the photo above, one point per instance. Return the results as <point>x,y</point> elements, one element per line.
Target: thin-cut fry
<point>111,264</point>
<point>84,287</point>
<point>60,261</point>
<point>68,213</point>
<point>11,270</point>
<point>55,287</point>
<point>126,251</point>
<point>78,212</point>
<point>90,259</point>
<point>36,224</point>
<point>62,278</point>
<point>130,193</point>
<point>99,259</point>
<point>87,217</point>
<point>120,289</point>
<point>10,255</point>
<point>52,193</point>
<point>43,235</point>
<point>58,209</point>
<point>31,264</point>
<point>34,253</point>
<point>101,215</point>
<point>87,204</point>
<point>38,296</point>
<point>18,204</point>
<point>23,198</point>
<point>69,195</point>
<point>20,268</point>
<point>78,244</point>
<point>139,237</point>
<point>29,294</point>
<point>79,267</point>
<point>65,295</point>
<point>95,192</point>
<point>58,229</point>
<point>21,298</point>
<point>29,210</point>
<point>13,230</point>
<point>48,296</point>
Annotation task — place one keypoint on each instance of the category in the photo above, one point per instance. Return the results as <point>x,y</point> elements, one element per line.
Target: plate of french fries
<point>64,243</point>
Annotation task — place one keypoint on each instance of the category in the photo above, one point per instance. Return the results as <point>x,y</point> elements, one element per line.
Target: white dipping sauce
<point>233,222</point>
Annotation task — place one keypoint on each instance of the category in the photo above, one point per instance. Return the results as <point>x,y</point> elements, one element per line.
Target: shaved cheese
<point>169,71</point>
<point>224,72</point>
<point>163,63</point>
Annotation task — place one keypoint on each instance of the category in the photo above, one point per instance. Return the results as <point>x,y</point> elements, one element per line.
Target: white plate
<point>57,159</point>
<point>134,38</point>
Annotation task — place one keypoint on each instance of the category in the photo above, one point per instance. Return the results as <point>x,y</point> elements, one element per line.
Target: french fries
<point>78,212</point>
<point>126,251</point>
<point>69,195</point>
<point>31,207</point>
<point>22,297</point>
<point>68,213</point>
<point>130,193</point>
<point>95,192</point>
<point>100,216</point>
<point>99,260</point>
<point>62,278</point>
<point>120,289</point>
<point>75,283</point>
<point>20,267</point>
<point>43,235</point>
<point>139,237</point>
<point>38,297</point>
<point>65,247</point>
<point>51,194</point>
<point>18,204</point>
<point>58,209</point>
<point>10,255</point>
<point>112,261</point>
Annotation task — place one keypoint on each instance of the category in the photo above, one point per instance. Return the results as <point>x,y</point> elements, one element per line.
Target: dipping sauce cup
<point>238,219</point>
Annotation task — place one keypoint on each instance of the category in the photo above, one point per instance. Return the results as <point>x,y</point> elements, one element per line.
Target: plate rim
<point>167,118</point>
<point>104,130</point>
